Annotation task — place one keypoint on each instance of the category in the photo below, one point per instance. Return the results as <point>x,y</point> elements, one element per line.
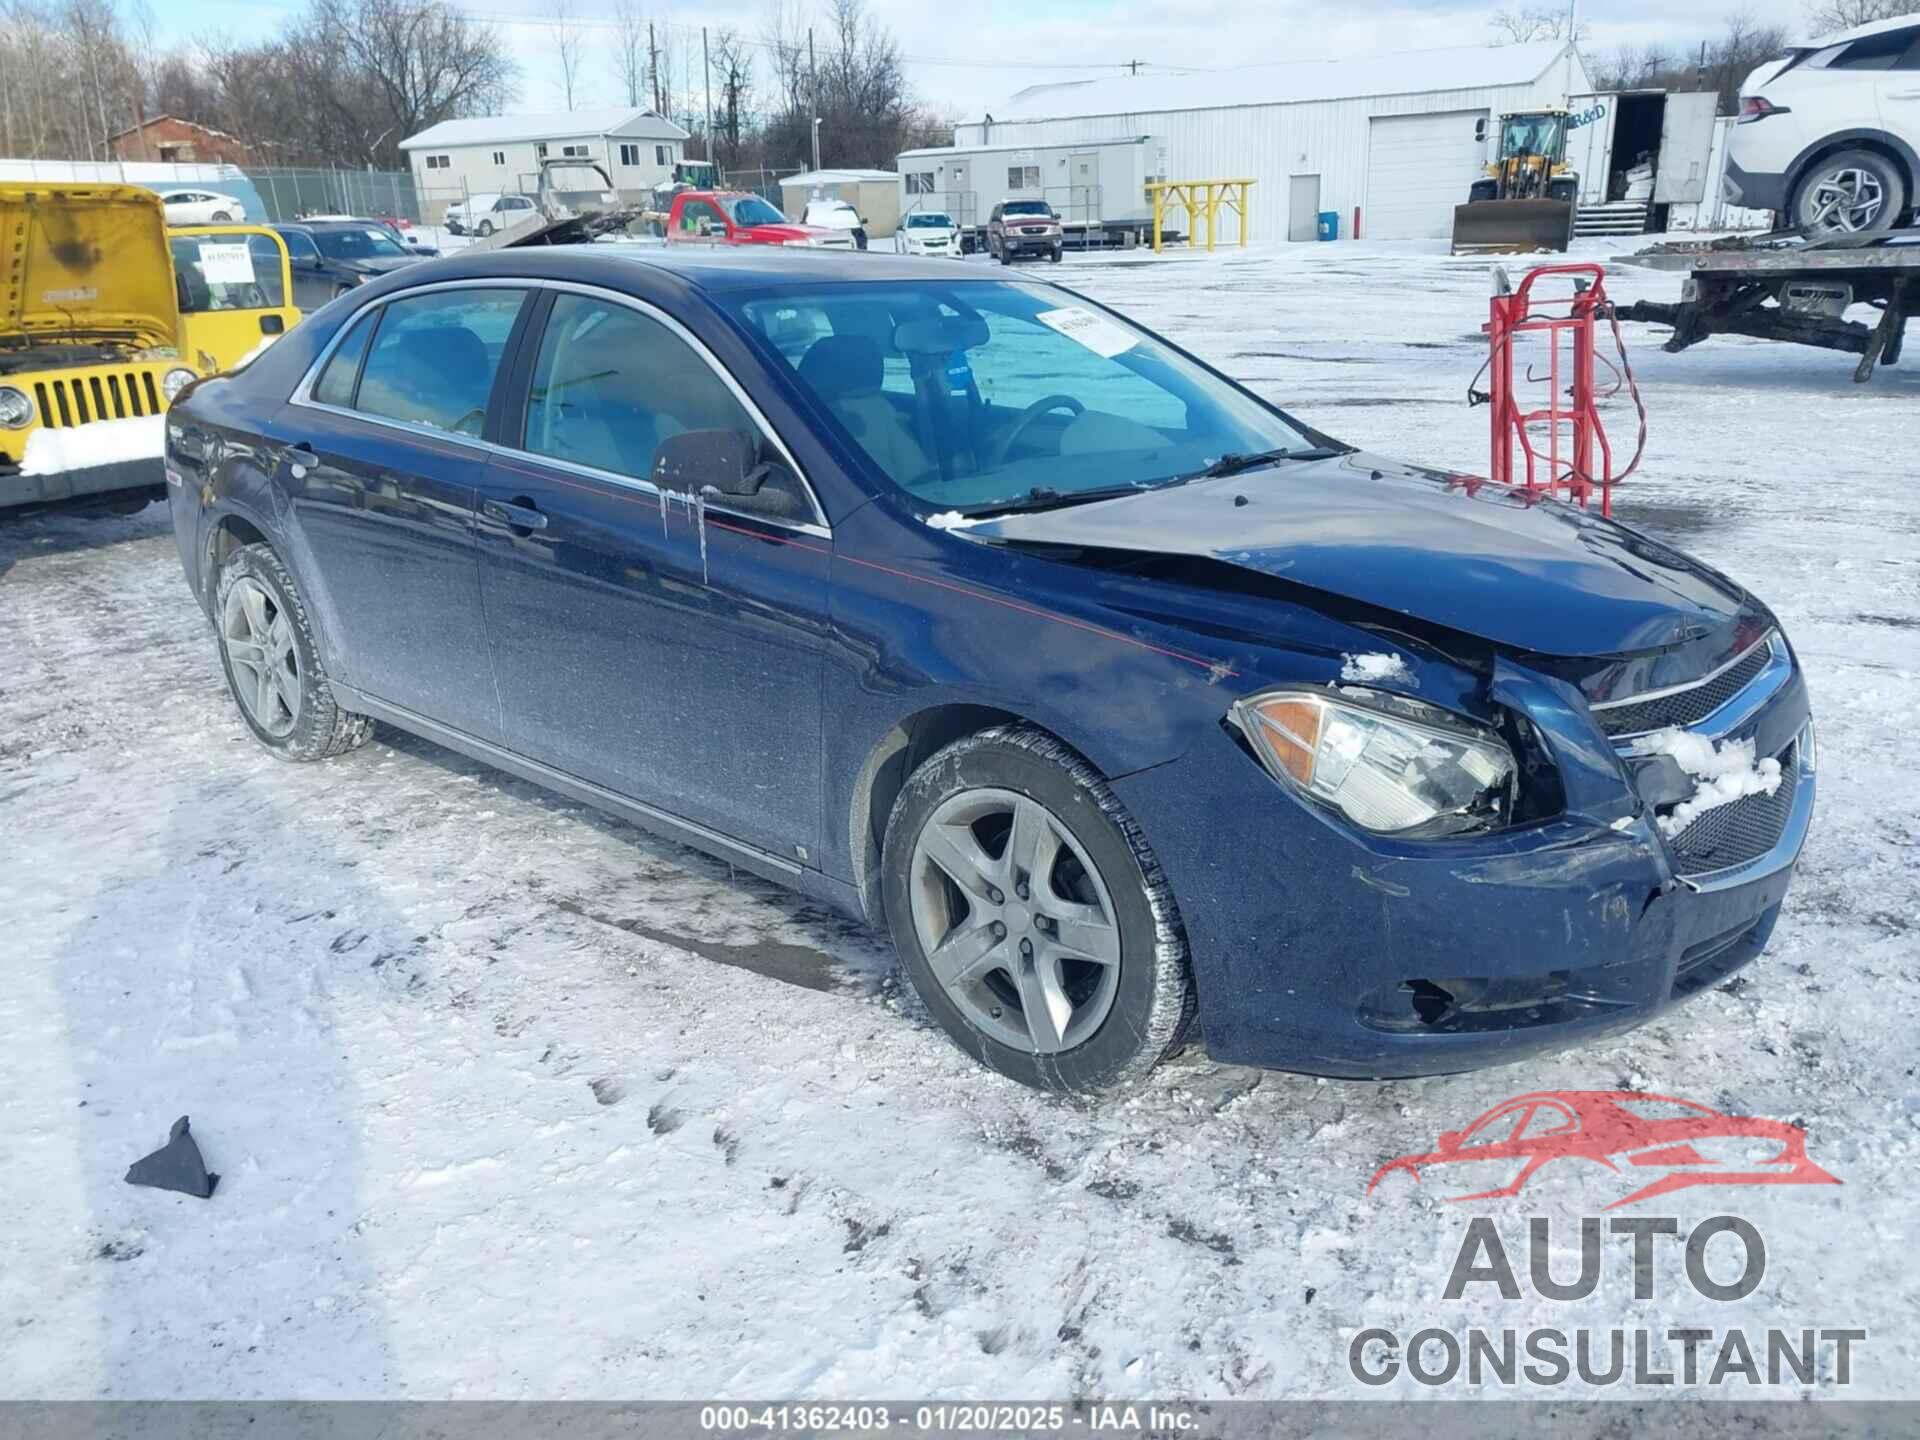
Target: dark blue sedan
<point>1121,698</point>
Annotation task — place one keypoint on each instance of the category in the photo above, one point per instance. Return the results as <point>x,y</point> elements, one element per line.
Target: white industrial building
<point>494,154</point>
<point>1396,137</point>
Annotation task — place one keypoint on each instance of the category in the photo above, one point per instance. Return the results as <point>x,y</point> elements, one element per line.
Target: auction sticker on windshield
<point>1101,336</point>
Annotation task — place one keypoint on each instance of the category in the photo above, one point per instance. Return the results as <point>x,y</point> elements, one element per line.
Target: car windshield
<point>975,395</point>
<point>933,221</point>
<point>1533,135</point>
<point>1028,207</point>
<point>361,244</point>
<point>752,210</point>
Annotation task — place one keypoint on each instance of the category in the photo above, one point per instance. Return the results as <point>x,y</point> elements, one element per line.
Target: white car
<point>836,215</point>
<point>201,207</point>
<point>1829,133</point>
<point>929,232</point>
<point>484,214</point>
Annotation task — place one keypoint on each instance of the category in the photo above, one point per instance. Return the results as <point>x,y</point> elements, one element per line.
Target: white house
<point>502,153</point>
<point>1397,138</point>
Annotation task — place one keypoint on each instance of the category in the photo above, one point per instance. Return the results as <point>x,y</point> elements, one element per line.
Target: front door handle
<point>520,515</point>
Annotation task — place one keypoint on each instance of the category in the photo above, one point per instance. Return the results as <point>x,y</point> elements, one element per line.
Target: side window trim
<point>513,438</point>
<point>303,392</point>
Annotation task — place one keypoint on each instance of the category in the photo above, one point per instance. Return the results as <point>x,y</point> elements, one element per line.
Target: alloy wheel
<point>1849,199</point>
<point>1015,920</point>
<point>258,638</point>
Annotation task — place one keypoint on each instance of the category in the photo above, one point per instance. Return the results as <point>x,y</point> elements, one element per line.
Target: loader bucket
<point>1511,227</point>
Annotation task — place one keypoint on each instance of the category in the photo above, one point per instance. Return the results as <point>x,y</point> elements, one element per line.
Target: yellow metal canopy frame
<point>1203,200</point>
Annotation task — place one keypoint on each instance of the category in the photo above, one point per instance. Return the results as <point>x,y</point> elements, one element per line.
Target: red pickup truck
<point>739,218</point>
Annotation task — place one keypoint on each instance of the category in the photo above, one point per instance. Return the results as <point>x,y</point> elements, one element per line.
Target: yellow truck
<point>109,316</point>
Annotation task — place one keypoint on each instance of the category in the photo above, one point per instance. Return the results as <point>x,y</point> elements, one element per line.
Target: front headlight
<point>1384,772</point>
<point>16,410</point>
<point>174,381</point>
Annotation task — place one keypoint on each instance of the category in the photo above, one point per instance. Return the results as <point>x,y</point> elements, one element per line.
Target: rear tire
<point>1853,192</point>
<point>1075,979</point>
<point>272,664</point>
<point>221,217</point>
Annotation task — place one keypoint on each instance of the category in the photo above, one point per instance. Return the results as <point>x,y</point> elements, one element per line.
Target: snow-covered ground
<point>509,1099</point>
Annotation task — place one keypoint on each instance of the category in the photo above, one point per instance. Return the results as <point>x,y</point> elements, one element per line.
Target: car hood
<point>1451,550</point>
<point>82,258</point>
<point>772,234</point>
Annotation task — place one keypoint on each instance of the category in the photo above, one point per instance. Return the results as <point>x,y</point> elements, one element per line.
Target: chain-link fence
<point>290,192</point>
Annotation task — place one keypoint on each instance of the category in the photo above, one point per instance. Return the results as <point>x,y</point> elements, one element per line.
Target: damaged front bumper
<point>1319,948</point>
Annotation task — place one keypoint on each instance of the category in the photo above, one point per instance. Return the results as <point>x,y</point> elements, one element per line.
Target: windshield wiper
<point>1045,497</point>
<point>1235,464</point>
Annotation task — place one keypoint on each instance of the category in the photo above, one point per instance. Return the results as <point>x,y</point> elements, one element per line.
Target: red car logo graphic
<point>1693,1144</point>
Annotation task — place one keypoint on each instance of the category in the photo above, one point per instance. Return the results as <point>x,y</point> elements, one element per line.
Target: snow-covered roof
<point>1405,72</point>
<point>566,125</point>
<point>840,177</point>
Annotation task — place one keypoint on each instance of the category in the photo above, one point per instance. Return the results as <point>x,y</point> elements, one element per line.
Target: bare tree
<point>567,43</point>
<point>733,76</point>
<point>1828,16</point>
<point>629,53</point>
<point>1534,22</point>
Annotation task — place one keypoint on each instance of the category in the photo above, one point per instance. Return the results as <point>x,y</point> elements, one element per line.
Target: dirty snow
<point>1726,772</point>
<point>1373,668</point>
<point>105,442</point>
<point>509,1099</point>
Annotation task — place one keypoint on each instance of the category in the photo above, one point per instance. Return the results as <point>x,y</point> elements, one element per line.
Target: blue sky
<point>1001,45</point>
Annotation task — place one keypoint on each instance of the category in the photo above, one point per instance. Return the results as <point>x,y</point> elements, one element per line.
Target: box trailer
<point>1638,153</point>
<point>1097,187</point>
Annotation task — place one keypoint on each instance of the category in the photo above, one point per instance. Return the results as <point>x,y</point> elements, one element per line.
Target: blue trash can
<point>1329,225</point>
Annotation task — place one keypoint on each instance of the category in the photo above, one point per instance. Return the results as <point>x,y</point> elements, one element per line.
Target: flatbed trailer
<point>1788,287</point>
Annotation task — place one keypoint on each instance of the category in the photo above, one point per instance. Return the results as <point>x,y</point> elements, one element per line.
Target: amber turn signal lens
<point>1293,734</point>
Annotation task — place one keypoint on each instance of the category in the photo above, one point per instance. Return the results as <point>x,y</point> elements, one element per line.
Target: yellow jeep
<point>101,330</point>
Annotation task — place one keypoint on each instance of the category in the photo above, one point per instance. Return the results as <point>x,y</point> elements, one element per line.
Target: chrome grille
<point>1684,707</point>
<point>80,399</point>
<point>1744,830</point>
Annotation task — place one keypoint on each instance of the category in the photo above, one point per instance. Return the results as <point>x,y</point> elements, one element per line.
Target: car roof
<point>711,268</point>
<point>332,225</point>
<point>1861,32</point>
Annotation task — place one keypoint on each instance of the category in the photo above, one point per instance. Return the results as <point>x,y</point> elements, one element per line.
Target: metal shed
<point>1395,137</point>
<point>875,194</point>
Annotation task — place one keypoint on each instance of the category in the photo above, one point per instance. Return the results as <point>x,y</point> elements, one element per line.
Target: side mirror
<point>723,463</point>
<point>272,324</point>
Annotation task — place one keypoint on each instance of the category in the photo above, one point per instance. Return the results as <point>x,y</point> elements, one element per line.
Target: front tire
<point>272,664</point>
<point>1854,192</point>
<point>1032,917</point>
<point>485,229</point>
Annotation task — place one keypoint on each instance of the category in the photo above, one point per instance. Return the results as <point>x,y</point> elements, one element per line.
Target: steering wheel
<point>1027,416</point>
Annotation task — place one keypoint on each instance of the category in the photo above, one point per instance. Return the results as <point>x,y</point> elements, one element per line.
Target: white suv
<point>1829,133</point>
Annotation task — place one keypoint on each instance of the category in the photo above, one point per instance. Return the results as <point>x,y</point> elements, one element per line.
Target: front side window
<point>696,211</point>
<point>611,383</point>
<point>227,272</point>
<point>973,395</point>
<point>434,357</point>
<point>300,245</point>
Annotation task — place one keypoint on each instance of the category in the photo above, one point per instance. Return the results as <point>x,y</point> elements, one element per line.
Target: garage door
<point>1418,169</point>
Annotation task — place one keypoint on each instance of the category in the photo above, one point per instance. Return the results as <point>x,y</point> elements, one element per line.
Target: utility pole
<point>813,100</point>
<point>1573,39</point>
<point>653,70</point>
<point>707,65</point>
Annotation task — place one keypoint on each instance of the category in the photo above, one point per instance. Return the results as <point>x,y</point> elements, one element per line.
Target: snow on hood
<point>81,257</point>
<point>1451,550</point>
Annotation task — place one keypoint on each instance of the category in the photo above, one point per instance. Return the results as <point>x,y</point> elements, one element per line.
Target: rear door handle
<point>301,459</point>
<point>519,514</point>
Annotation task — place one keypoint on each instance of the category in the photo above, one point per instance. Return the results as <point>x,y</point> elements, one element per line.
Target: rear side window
<point>434,358</point>
<point>1887,51</point>
<point>335,386</point>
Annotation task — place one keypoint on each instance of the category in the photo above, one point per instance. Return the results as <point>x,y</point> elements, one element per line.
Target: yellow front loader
<point>1525,201</point>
